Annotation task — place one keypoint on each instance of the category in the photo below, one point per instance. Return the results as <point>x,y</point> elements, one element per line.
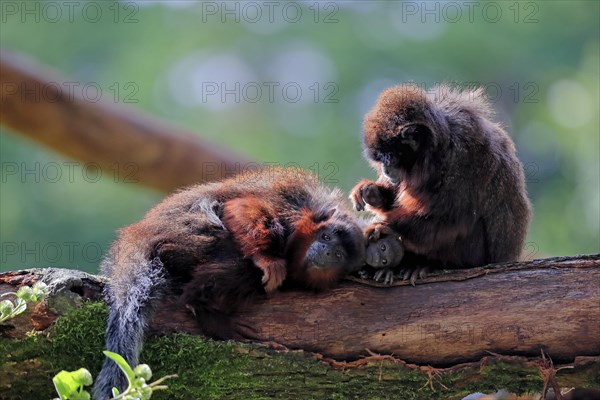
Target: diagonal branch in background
<point>34,103</point>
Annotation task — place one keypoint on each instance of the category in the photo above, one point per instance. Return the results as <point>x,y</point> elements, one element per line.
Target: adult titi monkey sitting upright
<point>451,190</point>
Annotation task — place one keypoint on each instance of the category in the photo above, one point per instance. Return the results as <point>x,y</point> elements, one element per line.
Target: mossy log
<point>513,309</point>
<point>450,335</point>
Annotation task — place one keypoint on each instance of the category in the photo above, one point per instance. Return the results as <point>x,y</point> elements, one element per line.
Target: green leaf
<point>144,371</point>
<point>65,384</point>
<point>82,396</point>
<point>6,307</point>
<point>122,364</point>
<point>39,291</point>
<point>24,293</point>
<point>83,377</point>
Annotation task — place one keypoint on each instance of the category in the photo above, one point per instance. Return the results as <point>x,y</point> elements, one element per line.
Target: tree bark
<point>454,317</point>
<point>513,309</point>
<point>473,322</point>
<point>142,149</point>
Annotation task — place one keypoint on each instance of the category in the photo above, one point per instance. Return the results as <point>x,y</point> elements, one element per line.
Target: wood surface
<point>512,309</point>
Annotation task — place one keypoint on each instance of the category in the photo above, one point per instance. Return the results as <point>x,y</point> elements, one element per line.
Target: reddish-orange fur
<point>259,235</point>
<point>304,235</point>
<point>212,244</point>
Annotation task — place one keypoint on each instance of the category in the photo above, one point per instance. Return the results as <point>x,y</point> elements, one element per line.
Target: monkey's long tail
<point>131,300</point>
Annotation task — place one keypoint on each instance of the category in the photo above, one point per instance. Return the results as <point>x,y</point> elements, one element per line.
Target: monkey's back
<point>185,230</point>
<point>487,179</point>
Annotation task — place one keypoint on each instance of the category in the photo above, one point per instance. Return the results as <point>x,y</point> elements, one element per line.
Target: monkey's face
<point>338,248</point>
<point>395,153</point>
<point>397,135</point>
<point>334,246</point>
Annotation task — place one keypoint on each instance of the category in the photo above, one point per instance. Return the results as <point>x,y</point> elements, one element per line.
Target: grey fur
<point>127,321</point>
<point>212,209</point>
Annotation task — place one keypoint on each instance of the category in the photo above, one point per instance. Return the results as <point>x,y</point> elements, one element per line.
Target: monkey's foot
<point>413,273</point>
<point>372,195</point>
<point>274,273</point>
<point>244,331</point>
<point>365,274</point>
<point>384,274</point>
<point>217,324</point>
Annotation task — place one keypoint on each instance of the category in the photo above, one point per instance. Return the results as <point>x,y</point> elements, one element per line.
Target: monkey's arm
<point>379,195</point>
<point>260,236</point>
<point>423,234</point>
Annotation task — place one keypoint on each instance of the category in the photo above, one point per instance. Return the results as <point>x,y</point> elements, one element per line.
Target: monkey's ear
<point>323,215</point>
<point>414,135</point>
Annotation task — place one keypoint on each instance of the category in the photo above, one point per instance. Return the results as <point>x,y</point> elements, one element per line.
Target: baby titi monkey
<point>451,190</point>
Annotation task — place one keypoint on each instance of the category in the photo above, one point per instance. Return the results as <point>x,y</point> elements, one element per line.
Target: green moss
<point>75,341</point>
<point>228,370</point>
<point>218,370</point>
<point>77,338</point>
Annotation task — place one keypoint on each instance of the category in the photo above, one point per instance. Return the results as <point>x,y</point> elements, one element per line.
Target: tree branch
<point>511,309</point>
<point>37,103</point>
<point>450,318</point>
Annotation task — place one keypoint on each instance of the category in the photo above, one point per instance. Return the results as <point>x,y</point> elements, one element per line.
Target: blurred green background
<point>539,62</point>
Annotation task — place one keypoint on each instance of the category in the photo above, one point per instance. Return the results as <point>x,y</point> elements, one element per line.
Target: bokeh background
<point>319,67</point>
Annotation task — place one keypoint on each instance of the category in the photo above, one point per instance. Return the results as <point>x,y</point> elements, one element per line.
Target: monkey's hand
<point>373,194</point>
<point>377,231</point>
<point>384,251</point>
<point>274,272</point>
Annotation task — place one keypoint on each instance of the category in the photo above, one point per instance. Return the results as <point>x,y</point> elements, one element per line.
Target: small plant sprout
<point>25,294</point>
<point>69,385</point>
<point>137,388</point>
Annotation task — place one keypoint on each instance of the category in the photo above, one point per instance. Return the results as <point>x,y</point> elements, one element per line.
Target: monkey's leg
<point>257,231</point>
<point>375,194</point>
<point>217,290</point>
<point>423,235</point>
<point>130,306</point>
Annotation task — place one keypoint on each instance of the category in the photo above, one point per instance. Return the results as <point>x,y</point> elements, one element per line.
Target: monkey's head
<point>399,132</point>
<point>324,247</point>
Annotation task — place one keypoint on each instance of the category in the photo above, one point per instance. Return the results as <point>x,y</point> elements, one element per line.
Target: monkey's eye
<point>377,156</point>
<point>326,237</point>
<point>383,248</point>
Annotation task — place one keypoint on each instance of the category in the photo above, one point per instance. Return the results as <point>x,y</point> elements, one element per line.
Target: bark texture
<point>460,316</point>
